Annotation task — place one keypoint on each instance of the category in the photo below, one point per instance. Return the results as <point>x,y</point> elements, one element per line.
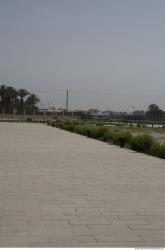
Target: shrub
<point>115,138</point>
<point>66,126</point>
<point>96,132</point>
<point>158,150</point>
<point>92,132</point>
<point>53,124</point>
<point>141,143</point>
<point>108,136</point>
<point>126,137</point>
<point>29,119</point>
<point>79,129</point>
<point>162,151</point>
<point>48,123</point>
<point>101,132</point>
<point>69,127</point>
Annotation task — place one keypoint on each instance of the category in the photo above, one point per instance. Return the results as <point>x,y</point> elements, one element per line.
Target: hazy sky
<point>110,54</point>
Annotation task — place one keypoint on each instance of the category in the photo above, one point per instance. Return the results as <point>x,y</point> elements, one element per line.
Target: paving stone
<point>123,244</point>
<point>53,244</point>
<point>13,223</point>
<point>153,236</point>
<point>84,238</point>
<point>14,227</point>
<point>118,237</point>
<point>80,229</point>
<point>37,239</point>
<point>14,233</point>
<point>20,217</point>
<point>13,240</point>
<point>141,226</point>
<point>108,229</point>
<point>87,220</point>
<point>15,244</point>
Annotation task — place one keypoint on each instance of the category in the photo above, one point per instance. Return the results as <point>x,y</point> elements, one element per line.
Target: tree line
<point>153,112</point>
<point>17,101</point>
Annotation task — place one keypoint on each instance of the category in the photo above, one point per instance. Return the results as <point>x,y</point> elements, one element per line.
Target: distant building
<point>96,114</point>
<point>50,111</point>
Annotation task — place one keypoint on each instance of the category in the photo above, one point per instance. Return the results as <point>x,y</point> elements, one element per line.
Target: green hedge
<point>141,143</point>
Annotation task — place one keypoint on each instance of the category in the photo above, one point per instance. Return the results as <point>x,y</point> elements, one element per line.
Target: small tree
<point>31,102</point>
<point>154,111</point>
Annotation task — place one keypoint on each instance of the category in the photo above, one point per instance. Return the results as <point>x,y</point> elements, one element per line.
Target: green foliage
<point>108,136</point>
<point>17,101</point>
<point>125,136</point>
<point>31,102</point>
<point>29,119</point>
<point>81,129</point>
<point>158,150</point>
<point>141,143</point>
<point>154,111</point>
<point>69,127</point>
<point>95,132</point>
<point>101,131</point>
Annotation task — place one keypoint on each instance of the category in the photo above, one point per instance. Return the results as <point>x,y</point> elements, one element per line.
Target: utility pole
<point>67,101</point>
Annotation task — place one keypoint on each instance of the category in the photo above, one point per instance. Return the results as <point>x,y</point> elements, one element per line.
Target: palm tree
<point>31,102</point>
<point>11,96</point>
<point>2,97</point>
<point>22,93</point>
<point>11,99</point>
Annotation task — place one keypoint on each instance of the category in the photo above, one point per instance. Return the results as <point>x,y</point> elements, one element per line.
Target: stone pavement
<point>59,189</point>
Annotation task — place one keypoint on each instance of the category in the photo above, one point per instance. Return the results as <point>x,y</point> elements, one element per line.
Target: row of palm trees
<point>19,101</point>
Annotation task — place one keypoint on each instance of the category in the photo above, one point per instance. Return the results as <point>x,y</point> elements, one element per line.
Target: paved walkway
<point>59,189</point>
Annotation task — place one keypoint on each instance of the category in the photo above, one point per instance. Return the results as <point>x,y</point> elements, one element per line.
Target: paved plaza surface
<point>59,189</point>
